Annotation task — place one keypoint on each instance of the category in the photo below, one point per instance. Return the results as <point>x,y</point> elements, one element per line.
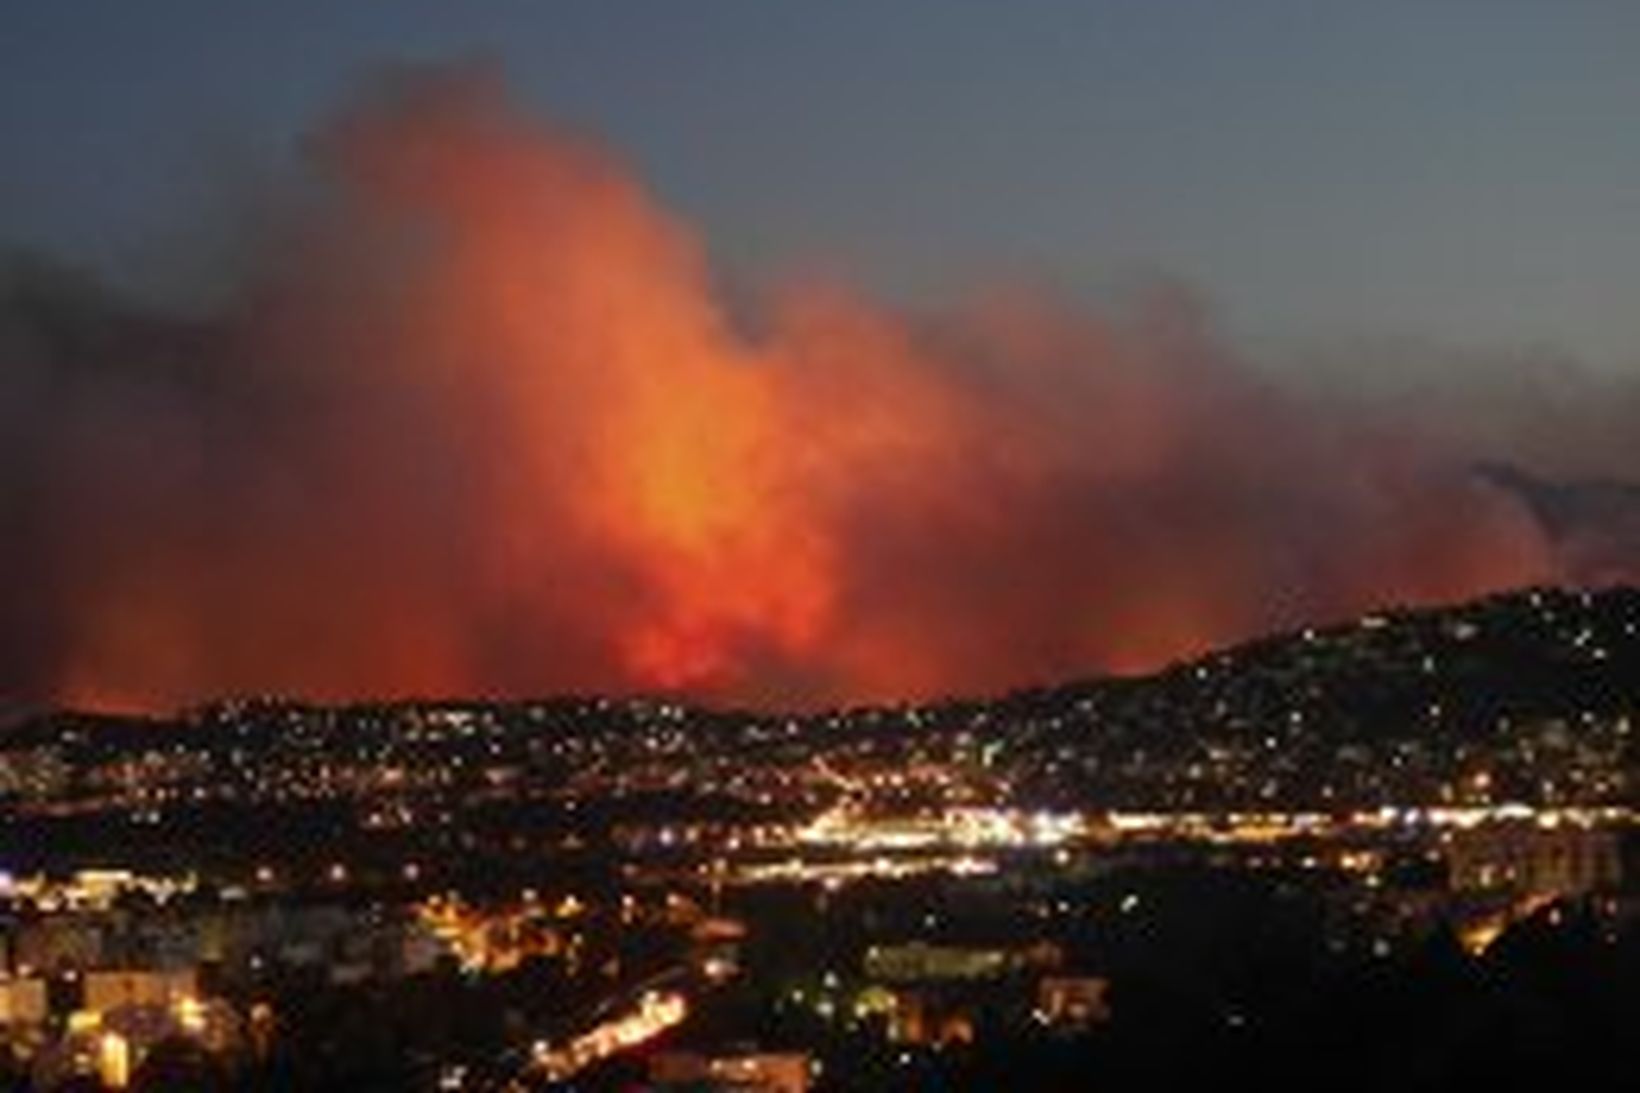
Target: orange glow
<point>501,436</point>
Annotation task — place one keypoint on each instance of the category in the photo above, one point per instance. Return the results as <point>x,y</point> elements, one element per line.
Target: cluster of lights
<point>833,874</point>
<point>963,827</point>
<point>93,889</point>
<point>656,1012</point>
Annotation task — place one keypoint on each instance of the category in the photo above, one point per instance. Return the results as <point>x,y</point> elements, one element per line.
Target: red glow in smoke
<point>501,438</point>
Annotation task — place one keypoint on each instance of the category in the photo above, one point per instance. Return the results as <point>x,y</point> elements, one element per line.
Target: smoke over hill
<point>475,419</point>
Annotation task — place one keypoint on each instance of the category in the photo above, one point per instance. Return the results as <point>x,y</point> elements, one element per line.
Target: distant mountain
<point>1534,693</point>
<point>1529,696</point>
<point>1538,652</point>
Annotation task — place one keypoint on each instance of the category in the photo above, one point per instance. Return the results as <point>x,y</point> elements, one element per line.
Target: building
<point>22,1002</point>
<point>919,961</point>
<point>739,1072</point>
<point>107,991</point>
<point>58,943</point>
<point>1528,859</point>
<point>1073,1002</point>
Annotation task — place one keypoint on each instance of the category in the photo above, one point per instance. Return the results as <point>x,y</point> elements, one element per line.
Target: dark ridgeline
<point>1223,968</point>
<point>1539,687</point>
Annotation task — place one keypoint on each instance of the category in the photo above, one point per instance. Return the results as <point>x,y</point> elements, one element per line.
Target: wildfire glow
<point>478,422</point>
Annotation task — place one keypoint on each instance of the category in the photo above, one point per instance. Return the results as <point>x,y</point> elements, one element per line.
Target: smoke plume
<point>475,420</point>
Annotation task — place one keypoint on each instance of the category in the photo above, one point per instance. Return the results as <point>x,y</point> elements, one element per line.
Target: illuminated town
<point>615,546</point>
<point>592,893</point>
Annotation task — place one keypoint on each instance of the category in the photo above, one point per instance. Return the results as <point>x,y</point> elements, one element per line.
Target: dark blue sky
<point>1467,171</point>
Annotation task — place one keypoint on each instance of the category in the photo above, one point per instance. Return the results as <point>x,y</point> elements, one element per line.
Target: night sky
<point>1466,171</point>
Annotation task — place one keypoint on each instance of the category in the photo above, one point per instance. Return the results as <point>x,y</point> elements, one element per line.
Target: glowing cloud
<point>476,423</point>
